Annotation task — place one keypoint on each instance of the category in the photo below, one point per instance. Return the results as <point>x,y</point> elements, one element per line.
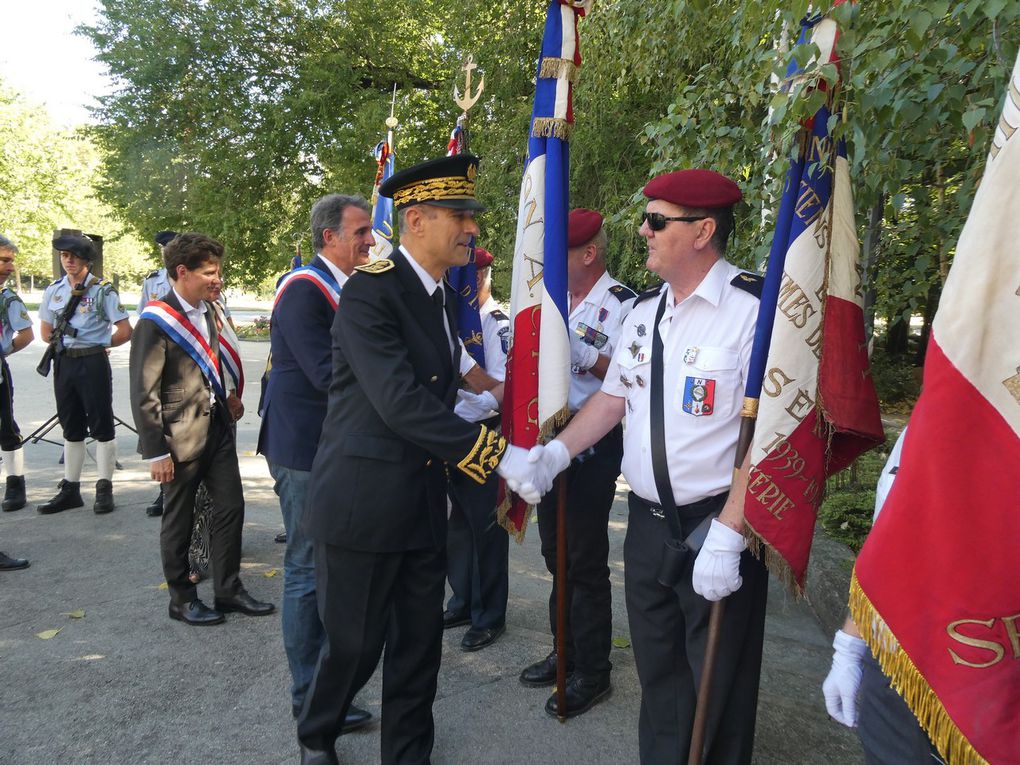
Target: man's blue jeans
<point>302,631</point>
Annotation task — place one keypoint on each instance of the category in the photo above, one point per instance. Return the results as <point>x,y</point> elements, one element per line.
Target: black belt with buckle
<point>88,350</point>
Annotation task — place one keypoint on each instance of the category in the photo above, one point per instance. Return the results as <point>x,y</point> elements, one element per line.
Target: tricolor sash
<point>179,329</point>
<point>324,281</point>
<point>230,347</point>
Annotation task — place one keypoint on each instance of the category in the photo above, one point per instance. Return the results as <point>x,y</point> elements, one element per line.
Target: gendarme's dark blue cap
<point>78,245</point>
<point>443,182</point>
<point>163,238</point>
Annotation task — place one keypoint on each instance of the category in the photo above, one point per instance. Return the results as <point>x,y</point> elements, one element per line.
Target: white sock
<point>106,459</point>
<point>74,458</point>
<point>14,461</point>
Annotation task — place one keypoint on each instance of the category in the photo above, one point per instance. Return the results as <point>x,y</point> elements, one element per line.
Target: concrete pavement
<point>125,684</point>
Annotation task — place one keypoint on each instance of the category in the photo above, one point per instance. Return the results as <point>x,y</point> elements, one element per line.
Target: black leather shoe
<point>476,639</point>
<point>104,497</point>
<point>243,603</point>
<point>281,538</point>
<point>7,563</point>
<point>14,495</point>
<point>196,613</point>
<point>582,694</point>
<point>318,757</point>
<point>542,673</point>
<point>68,497</point>
<point>455,619</point>
<point>356,718</point>
<point>156,508</point>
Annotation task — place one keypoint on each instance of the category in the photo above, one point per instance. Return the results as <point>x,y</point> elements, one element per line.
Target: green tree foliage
<point>47,179</point>
<point>231,116</point>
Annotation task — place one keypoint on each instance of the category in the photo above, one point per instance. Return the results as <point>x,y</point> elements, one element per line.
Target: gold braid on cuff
<point>484,455</point>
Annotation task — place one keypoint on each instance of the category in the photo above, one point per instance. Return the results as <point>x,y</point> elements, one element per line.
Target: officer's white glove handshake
<point>474,407</point>
<point>518,473</point>
<point>549,461</point>
<point>582,355</point>
<point>717,567</point>
<point>840,687</point>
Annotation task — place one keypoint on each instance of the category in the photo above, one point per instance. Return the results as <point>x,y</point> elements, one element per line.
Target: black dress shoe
<point>68,497</point>
<point>542,673</point>
<point>104,497</point>
<point>356,718</point>
<point>196,613</point>
<point>245,604</point>
<point>318,756</point>
<point>455,619</point>
<point>476,639</point>
<point>14,494</point>
<point>156,508</point>
<point>7,563</point>
<point>281,538</point>
<point>582,693</point>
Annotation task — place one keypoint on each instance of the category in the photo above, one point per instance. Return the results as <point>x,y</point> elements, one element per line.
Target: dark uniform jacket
<point>169,393</point>
<point>294,405</point>
<point>378,482</point>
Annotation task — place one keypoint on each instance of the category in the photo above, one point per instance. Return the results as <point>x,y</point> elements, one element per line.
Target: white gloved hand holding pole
<point>717,567</point>
<point>519,474</point>
<point>844,679</point>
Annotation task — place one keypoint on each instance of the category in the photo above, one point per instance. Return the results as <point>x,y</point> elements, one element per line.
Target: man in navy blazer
<point>294,409</point>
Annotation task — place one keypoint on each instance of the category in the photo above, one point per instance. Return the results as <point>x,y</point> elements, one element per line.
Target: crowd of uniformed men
<point>382,436</point>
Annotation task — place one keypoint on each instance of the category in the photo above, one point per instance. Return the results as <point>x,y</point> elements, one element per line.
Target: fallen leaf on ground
<point>77,614</point>
<point>621,642</point>
<point>164,586</point>
<point>270,572</point>
<point>47,634</point>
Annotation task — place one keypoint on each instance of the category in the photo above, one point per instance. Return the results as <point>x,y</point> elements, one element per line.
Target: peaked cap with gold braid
<point>443,182</point>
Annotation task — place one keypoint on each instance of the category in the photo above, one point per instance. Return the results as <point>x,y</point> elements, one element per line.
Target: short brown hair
<point>191,251</point>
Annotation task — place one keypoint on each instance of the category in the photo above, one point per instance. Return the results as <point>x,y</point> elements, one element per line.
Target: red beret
<point>694,188</point>
<point>483,258</point>
<point>582,225</point>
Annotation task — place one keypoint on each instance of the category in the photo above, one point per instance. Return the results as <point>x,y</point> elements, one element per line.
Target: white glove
<point>519,474</point>
<point>840,687</point>
<point>582,355</point>
<point>473,407</point>
<point>549,461</point>
<point>717,567</point>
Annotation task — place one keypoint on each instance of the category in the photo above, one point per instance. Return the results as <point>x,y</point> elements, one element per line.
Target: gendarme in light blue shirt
<point>94,317</point>
<point>13,318</point>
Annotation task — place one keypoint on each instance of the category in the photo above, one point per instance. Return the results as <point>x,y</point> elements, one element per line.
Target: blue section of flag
<point>806,195</point>
<point>464,280</point>
<point>382,217</point>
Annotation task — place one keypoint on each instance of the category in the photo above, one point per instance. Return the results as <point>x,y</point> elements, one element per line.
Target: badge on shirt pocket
<point>699,396</point>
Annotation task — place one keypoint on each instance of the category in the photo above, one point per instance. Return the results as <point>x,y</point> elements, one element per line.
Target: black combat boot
<point>68,497</point>
<point>14,496</point>
<point>104,497</point>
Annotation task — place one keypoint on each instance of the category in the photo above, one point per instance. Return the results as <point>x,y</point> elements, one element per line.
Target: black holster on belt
<point>678,555</point>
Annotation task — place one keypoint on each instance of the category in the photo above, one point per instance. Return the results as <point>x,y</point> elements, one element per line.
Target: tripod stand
<point>39,434</point>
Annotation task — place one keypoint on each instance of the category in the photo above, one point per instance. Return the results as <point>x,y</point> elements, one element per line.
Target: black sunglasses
<point>658,221</point>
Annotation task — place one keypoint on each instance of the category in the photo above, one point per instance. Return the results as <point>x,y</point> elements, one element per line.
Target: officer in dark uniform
<point>678,373</point>
<point>376,508</point>
<point>82,380</point>
<point>15,333</point>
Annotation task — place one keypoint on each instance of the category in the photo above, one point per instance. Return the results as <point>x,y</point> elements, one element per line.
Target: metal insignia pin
<point>626,383</point>
<point>640,381</point>
<point>641,330</point>
<point>691,355</point>
<point>634,349</point>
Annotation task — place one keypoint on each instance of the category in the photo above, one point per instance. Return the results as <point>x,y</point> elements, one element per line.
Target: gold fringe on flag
<point>909,682</point>
<point>560,69</point>
<point>545,434</point>
<point>774,562</point>
<point>551,127</point>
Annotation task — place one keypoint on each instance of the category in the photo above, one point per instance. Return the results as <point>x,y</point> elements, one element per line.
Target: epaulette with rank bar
<point>153,274</point>
<point>498,315</point>
<point>622,292</point>
<point>749,283</point>
<point>380,266</point>
<point>649,293</point>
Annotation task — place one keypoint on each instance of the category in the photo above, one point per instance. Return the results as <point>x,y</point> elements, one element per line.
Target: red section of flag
<point>520,405</point>
<point>938,571</point>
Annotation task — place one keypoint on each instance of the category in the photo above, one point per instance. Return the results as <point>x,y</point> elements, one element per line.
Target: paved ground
<point>125,684</point>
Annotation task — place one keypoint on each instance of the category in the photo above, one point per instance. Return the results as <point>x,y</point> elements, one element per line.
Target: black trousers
<point>477,552</point>
<point>83,387</point>
<point>10,434</point>
<point>668,629</point>
<point>218,468</point>
<point>591,486</point>
<point>368,600</point>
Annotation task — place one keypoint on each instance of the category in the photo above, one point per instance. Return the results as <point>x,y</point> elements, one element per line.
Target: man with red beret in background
<point>477,547</point>
<point>597,307</point>
<point>678,373</point>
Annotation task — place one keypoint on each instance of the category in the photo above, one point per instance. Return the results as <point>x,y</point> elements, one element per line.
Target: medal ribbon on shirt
<point>179,329</point>
<point>325,282</point>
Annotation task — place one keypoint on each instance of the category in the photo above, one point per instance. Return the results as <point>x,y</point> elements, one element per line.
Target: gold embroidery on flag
<point>1013,385</point>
